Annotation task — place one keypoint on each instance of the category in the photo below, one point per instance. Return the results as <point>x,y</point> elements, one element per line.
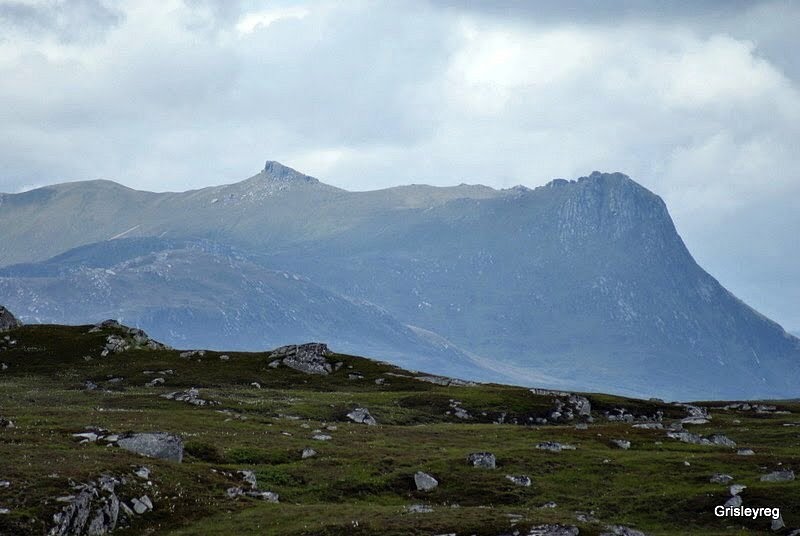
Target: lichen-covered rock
<point>485,460</point>
<point>7,320</point>
<point>93,511</point>
<point>310,358</point>
<point>159,445</point>
<point>424,481</point>
<point>362,416</point>
<point>778,476</point>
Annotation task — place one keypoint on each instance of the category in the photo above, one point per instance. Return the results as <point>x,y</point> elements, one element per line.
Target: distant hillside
<point>577,284</point>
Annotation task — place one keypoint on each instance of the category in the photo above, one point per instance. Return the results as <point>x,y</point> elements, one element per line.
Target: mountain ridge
<point>584,280</point>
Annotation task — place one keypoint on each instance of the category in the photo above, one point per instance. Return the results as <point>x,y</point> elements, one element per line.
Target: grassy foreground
<point>361,480</point>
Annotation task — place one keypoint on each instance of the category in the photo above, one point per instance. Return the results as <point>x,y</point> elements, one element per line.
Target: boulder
<point>308,453</point>
<point>721,478</point>
<point>520,480</point>
<point>310,358</point>
<point>778,476</point>
<point>93,510</point>
<point>159,445</point>
<point>734,502</point>
<point>621,443</point>
<point>7,320</point>
<point>745,452</point>
<point>736,489</point>
<point>424,481</point>
<point>362,416</point>
<point>484,460</point>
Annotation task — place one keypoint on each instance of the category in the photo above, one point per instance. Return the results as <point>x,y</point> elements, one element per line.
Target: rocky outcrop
<point>126,338</point>
<point>362,416</point>
<point>96,509</point>
<point>485,460</point>
<point>695,439</point>
<point>190,396</point>
<point>310,358</point>
<point>159,445</point>
<point>7,320</point>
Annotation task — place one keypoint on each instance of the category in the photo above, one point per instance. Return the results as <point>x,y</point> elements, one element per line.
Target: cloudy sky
<point>697,100</point>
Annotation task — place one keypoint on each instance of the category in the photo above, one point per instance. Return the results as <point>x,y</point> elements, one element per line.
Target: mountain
<point>581,284</point>
<point>198,294</point>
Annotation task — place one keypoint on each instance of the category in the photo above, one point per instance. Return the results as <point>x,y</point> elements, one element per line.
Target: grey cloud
<point>67,21</point>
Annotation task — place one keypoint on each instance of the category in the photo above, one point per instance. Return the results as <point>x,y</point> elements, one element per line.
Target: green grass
<point>361,481</point>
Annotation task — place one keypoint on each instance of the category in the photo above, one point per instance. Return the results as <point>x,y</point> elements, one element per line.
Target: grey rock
<point>142,472</point>
<point>649,426</point>
<point>734,501</point>
<point>322,437</point>
<point>94,510</point>
<point>777,524</point>
<point>745,452</point>
<point>720,478</point>
<point>142,504</point>
<point>419,509</point>
<point>424,481</point>
<point>7,320</point>
<point>159,445</point>
<point>268,496</point>
<point>520,480</point>
<point>362,416</point>
<point>310,358</point>
<point>621,443</point>
<point>778,476</point>
<point>736,489</point>
<point>554,446</point>
<point>190,396</point>
<point>249,477</point>
<point>234,492</point>
<point>6,423</point>
<point>553,530</point>
<point>308,453</point>
<point>484,460</point>
<point>722,441</point>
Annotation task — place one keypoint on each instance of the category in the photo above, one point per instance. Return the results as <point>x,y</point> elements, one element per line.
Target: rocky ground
<point>103,429</point>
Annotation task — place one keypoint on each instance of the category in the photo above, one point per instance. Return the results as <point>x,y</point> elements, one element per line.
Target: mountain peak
<point>278,172</point>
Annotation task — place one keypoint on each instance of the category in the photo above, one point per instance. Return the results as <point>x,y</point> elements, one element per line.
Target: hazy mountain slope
<point>275,208</point>
<point>586,281</point>
<point>204,295</point>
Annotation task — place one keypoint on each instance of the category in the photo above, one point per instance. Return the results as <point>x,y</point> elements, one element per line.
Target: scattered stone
<point>142,472</point>
<point>695,420</point>
<point>621,443</point>
<point>722,440</point>
<point>4,511</point>
<point>720,478</point>
<point>232,493</point>
<point>424,481</point>
<point>443,380</point>
<point>308,453</point>
<point>321,437</point>
<point>484,460</point>
<point>520,480</point>
<point>549,504</point>
<point>256,385</point>
<point>155,381</point>
<point>224,357</point>
<point>649,426</point>
<point>142,504</point>
<point>734,501</point>
<point>554,446</point>
<point>694,439</point>
<point>745,452</point>
<point>419,509</point>
<point>191,396</point>
<point>159,445</point>
<point>5,423</point>
<point>778,476</point>
<point>777,524</point>
<point>553,530</point>
<point>4,483</point>
<point>192,353</point>
<point>89,385</point>
<point>86,437</point>
<point>362,416</point>
<point>310,358</point>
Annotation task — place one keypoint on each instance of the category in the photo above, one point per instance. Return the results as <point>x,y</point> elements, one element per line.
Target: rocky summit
<point>575,285</point>
<point>325,443</point>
